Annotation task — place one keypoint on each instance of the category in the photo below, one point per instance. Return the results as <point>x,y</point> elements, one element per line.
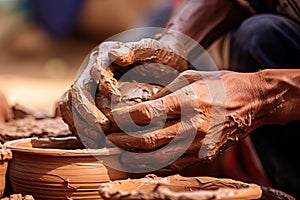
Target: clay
<point>104,66</point>
<point>18,197</point>
<point>103,72</point>
<point>31,127</point>
<point>79,100</point>
<point>131,93</point>
<point>179,187</point>
<point>134,92</point>
<point>65,170</point>
<point>5,157</point>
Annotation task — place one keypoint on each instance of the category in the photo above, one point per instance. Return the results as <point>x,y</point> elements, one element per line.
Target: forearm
<point>281,95</point>
<point>205,20</point>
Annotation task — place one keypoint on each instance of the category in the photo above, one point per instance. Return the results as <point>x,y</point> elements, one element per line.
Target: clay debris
<point>32,127</point>
<point>18,197</point>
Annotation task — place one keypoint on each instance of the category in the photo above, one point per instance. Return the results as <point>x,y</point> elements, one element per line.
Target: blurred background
<point>43,42</point>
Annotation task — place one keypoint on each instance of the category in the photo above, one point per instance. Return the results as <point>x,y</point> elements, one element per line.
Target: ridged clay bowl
<point>177,187</point>
<point>60,168</point>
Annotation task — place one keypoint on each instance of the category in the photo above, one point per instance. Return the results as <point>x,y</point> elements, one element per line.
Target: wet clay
<point>103,68</point>
<point>32,127</point>
<point>179,187</point>
<point>134,92</point>
<point>18,197</point>
<point>60,168</point>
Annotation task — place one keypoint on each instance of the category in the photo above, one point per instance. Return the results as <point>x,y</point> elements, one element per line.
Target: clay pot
<point>5,156</point>
<point>60,168</point>
<point>177,187</point>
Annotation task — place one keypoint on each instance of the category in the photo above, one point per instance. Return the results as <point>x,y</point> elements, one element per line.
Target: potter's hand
<point>206,112</point>
<point>78,107</point>
<point>87,119</point>
<point>5,110</point>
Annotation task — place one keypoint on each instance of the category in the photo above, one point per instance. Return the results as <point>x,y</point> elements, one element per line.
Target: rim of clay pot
<point>178,187</point>
<point>26,145</point>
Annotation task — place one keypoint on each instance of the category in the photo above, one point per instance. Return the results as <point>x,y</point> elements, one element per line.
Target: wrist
<point>280,89</point>
<point>244,100</point>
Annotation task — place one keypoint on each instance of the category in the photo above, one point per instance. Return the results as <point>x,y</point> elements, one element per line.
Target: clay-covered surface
<point>18,197</point>
<point>179,187</point>
<point>59,169</point>
<point>29,126</point>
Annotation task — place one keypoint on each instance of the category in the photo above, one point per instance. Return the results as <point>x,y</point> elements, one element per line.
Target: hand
<point>5,110</point>
<point>211,110</point>
<point>169,53</point>
<point>105,64</point>
<point>77,106</point>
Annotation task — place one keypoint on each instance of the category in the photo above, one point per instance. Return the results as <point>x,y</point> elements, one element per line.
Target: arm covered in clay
<point>282,92</point>
<point>205,20</point>
<point>216,109</point>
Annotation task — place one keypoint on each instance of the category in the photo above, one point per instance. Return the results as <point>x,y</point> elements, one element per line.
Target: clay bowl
<point>60,168</point>
<point>177,187</point>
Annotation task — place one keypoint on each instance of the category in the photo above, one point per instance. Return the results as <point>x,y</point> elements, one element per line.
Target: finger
<point>181,103</point>
<point>176,157</point>
<point>78,126</point>
<point>168,157</point>
<point>184,79</point>
<point>152,139</point>
<point>101,71</point>
<point>144,140</point>
<point>84,104</point>
<point>66,113</point>
<point>147,50</point>
<point>133,52</point>
<point>82,99</point>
